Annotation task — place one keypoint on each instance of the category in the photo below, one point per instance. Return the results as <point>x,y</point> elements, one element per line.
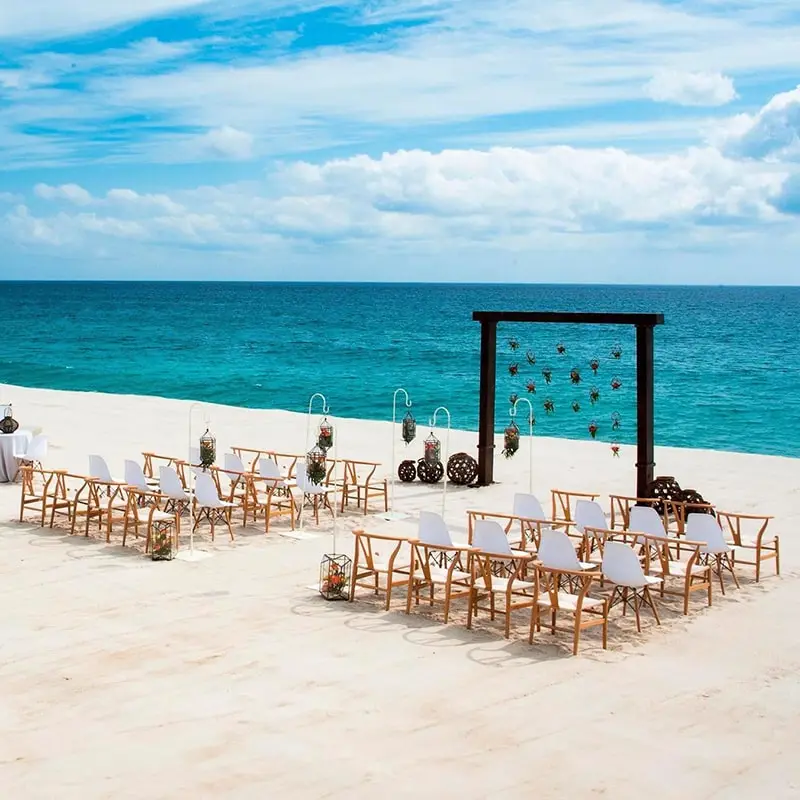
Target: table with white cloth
<point>10,444</point>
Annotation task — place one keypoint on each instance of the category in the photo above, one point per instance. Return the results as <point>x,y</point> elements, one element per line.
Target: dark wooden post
<point>645,392</point>
<point>486,402</point>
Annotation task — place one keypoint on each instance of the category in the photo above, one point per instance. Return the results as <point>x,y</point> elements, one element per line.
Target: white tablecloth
<point>11,443</point>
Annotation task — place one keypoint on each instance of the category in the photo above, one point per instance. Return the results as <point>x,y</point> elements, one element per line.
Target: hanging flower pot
<point>513,369</point>
<point>616,352</point>
<point>593,428</point>
<point>561,349</point>
<point>315,465</point>
<point>409,428</point>
<point>208,450</point>
<point>575,376</point>
<point>325,437</point>
<point>594,395</point>
<point>594,364</point>
<point>512,398</point>
<point>616,383</point>
<point>547,374</point>
<point>531,387</point>
<point>531,357</point>
<point>615,449</point>
<point>549,406</point>
<point>8,424</point>
<point>576,406</point>
<point>433,450</point>
<point>616,421</point>
<point>510,440</point>
<point>513,344</point>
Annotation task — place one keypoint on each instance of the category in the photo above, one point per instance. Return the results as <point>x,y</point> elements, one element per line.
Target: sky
<point>622,141</point>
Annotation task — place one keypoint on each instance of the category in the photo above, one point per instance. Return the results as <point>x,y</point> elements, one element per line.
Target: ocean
<point>727,367</point>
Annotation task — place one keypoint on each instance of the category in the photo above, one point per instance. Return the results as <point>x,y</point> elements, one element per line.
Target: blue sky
<point>519,140</point>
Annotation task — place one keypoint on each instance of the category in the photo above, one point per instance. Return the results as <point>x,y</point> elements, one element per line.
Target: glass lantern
<point>510,440</point>
<point>208,450</point>
<point>433,450</point>
<point>325,436</point>
<point>8,424</point>
<point>315,465</point>
<point>409,428</point>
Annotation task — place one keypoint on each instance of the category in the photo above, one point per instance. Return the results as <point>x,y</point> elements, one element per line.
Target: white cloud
<point>67,191</point>
<point>691,88</point>
<point>227,142</point>
<point>127,197</point>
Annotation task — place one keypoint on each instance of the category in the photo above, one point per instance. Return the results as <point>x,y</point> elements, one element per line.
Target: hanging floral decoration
<point>513,344</point>
<point>593,428</point>
<point>549,406</point>
<point>616,383</point>
<point>547,374</point>
<point>409,428</point>
<point>315,465</point>
<point>561,349</point>
<point>594,395</point>
<point>433,449</point>
<point>531,387</point>
<point>616,421</point>
<point>576,406</point>
<point>510,440</point>
<point>575,376</point>
<point>595,365</point>
<point>325,437</point>
<point>513,398</point>
<point>531,357</point>
<point>513,369</point>
<point>616,352</point>
<point>615,449</point>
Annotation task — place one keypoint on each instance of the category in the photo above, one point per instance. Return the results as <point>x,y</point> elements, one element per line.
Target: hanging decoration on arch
<point>561,349</point>
<point>512,398</point>
<point>531,387</point>
<point>549,406</point>
<point>531,358</point>
<point>547,374</point>
<point>513,369</point>
<point>593,429</point>
<point>513,345</point>
<point>616,383</point>
<point>576,406</point>
<point>616,421</point>
<point>615,449</point>
<point>575,376</point>
<point>616,352</point>
<point>594,365</point>
<point>325,436</point>
<point>594,395</point>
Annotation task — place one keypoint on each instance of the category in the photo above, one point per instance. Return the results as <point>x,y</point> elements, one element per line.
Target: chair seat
<point>500,584</point>
<point>440,575</point>
<point>568,602</point>
<point>382,567</point>
<point>650,580</point>
<point>162,516</point>
<point>678,569</point>
<point>220,504</point>
<point>730,550</point>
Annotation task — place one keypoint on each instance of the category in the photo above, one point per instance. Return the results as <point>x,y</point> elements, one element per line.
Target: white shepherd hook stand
<point>446,452</point>
<point>192,555</point>
<point>392,514</point>
<point>513,414</point>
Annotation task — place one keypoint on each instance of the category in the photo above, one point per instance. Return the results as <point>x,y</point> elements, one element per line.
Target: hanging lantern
<point>616,383</point>
<point>409,428</point>
<point>576,406</point>
<point>8,424</point>
<point>510,440</point>
<point>325,437</point>
<point>513,369</point>
<point>593,428</point>
<point>513,344</point>
<point>549,406</point>
<point>616,352</point>
<point>615,449</point>
<point>595,365</point>
<point>512,398</point>
<point>531,358</point>
<point>547,374</point>
<point>561,349</point>
<point>531,387</point>
<point>334,577</point>
<point>208,450</point>
<point>575,376</point>
<point>616,421</point>
<point>433,450</point>
<point>594,395</point>
<point>315,465</point>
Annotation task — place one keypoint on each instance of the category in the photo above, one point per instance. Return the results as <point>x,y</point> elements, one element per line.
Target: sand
<point>228,678</point>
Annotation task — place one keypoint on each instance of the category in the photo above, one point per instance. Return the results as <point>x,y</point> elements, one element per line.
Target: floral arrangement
<point>510,440</point>
<point>531,387</point>
<point>325,437</point>
<point>549,406</point>
<point>616,383</point>
<point>513,369</point>
<point>547,374</point>
<point>531,357</point>
<point>576,406</point>
<point>593,428</point>
<point>616,421</point>
<point>594,364</point>
<point>513,344</point>
<point>561,349</point>
<point>575,376</point>
<point>512,398</point>
<point>616,352</point>
<point>594,395</point>
<point>615,450</point>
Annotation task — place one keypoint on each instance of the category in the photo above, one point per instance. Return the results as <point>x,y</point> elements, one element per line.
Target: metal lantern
<point>510,440</point>
<point>334,577</point>
<point>315,465</point>
<point>409,428</point>
<point>208,450</point>
<point>164,543</point>
<point>8,424</point>
<point>325,437</point>
<point>433,450</point>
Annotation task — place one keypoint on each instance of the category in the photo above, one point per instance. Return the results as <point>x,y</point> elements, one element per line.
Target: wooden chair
<point>359,479</point>
<point>763,547</point>
<point>151,460</point>
<point>563,503</point>
<point>100,500</point>
<point>497,569</point>
<point>551,596</point>
<point>42,490</point>
<point>146,508</point>
<point>621,506</point>
<point>715,550</point>
<point>179,499</point>
<point>631,586</point>
<point>376,556</point>
<point>268,497</point>
<point>210,506</point>
<point>319,495</point>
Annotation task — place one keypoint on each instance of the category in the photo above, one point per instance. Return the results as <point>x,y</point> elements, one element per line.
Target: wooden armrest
<point>460,548</point>
<point>735,515</point>
<point>389,537</point>
<point>514,555</point>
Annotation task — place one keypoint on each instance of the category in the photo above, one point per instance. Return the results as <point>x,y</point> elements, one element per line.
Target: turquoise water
<point>727,359</point>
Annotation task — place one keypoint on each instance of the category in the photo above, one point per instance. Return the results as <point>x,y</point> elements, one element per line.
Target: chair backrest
<point>645,519</point>
<point>37,449</point>
<point>588,514</point>
<point>171,484</point>
<point>268,468</point>
<point>303,483</point>
<point>528,506</point>
<point>490,537</point>
<point>705,528</point>
<point>134,476</point>
<point>556,550</point>
<point>621,565</point>
<point>99,469</point>
<point>194,455</point>
<point>206,490</point>
<point>433,530</point>
<point>233,464</point>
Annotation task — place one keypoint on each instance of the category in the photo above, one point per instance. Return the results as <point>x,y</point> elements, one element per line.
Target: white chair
<point>233,464</point>
<point>556,551</point>
<point>705,528</point>
<point>589,514</point>
<point>134,476</point>
<point>194,456</point>
<point>33,455</point>
<point>529,507</point>
<point>208,504</point>
<point>621,566</point>
<point>99,469</point>
<point>433,530</point>
<point>645,519</point>
<point>179,499</point>
<point>313,492</point>
<point>532,519</point>
<point>267,468</point>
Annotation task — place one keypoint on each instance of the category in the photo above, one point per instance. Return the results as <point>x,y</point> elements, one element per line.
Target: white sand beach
<point>229,677</point>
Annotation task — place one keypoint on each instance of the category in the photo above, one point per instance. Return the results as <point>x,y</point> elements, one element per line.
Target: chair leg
<point>731,562</point>
<point>577,635</point>
<point>718,559</point>
<point>777,557</point>
<point>647,596</point>
<point>636,611</point>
